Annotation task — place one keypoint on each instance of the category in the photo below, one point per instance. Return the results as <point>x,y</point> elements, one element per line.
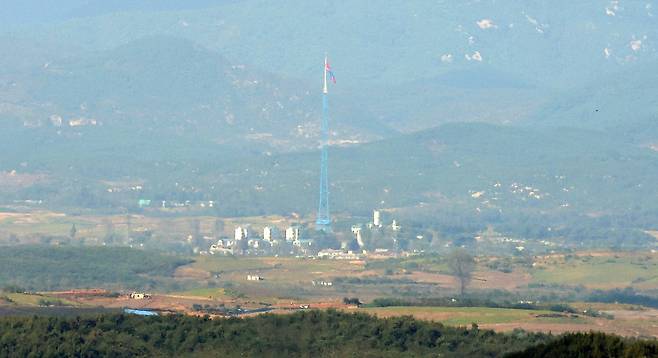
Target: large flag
<point>331,73</point>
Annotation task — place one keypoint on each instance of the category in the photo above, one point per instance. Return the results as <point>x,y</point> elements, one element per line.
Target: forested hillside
<point>307,334</point>
<point>594,345</point>
<point>483,174</point>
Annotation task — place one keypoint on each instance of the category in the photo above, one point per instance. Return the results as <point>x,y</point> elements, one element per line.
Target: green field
<point>51,223</point>
<point>463,316</point>
<point>600,272</point>
<point>211,293</point>
<point>276,269</point>
<point>45,223</point>
<point>23,299</point>
<point>230,263</point>
<point>426,264</point>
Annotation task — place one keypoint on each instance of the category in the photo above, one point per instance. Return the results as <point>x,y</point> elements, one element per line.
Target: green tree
<point>73,231</point>
<point>461,265</point>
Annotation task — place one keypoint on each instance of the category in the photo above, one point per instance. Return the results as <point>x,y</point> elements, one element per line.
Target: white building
<point>241,233</point>
<point>56,120</point>
<point>139,296</point>
<point>222,247</point>
<point>268,234</point>
<point>292,233</point>
<point>356,230</point>
<point>395,226</point>
<point>338,255</point>
<point>220,250</point>
<point>225,243</point>
<point>377,218</point>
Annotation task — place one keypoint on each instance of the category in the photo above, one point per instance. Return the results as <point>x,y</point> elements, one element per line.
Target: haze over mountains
<point>377,49</point>
<point>202,92</point>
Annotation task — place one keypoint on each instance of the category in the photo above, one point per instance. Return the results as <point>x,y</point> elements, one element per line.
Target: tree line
<point>304,334</point>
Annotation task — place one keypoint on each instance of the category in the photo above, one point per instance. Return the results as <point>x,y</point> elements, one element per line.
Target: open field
<point>70,267</point>
<point>465,316</point>
<point>215,294</point>
<point>594,270</point>
<point>626,320</point>
<point>42,222</point>
<point>16,311</point>
<point>26,224</point>
<point>425,276</point>
<point>599,270</point>
<point>635,323</point>
<point>23,299</point>
<point>285,270</point>
<point>179,281</point>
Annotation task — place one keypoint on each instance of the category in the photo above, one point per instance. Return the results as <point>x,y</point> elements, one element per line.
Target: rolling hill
<point>556,44</point>
<point>407,66</point>
<point>471,167</point>
<point>166,83</point>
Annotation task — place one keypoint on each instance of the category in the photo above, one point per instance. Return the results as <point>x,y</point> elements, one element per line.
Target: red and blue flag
<point>331,73</point>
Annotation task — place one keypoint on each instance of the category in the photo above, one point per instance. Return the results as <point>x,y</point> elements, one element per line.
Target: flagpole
<point>325,89</point>
<point>323,221</point>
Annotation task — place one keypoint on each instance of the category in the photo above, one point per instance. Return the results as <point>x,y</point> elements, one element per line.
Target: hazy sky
<point>15,12</point>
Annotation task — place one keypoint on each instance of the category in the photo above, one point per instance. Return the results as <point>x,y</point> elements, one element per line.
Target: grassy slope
<point>464,316</point>
<point>601,272</point>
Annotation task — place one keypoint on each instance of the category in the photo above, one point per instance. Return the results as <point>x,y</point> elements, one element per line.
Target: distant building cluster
<point>293,240</point>
<point>271,241</point>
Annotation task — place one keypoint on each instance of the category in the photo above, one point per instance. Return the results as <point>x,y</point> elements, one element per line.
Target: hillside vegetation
<point>485,174</point>
<point>43,268</point>
<point>307,334</point>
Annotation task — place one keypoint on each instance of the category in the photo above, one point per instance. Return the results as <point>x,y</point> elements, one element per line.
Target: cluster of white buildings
<point>339,255</point>
<point>376,224</point>
<point>322,283</point>
<point>270,238</point>
<point>292,241</point>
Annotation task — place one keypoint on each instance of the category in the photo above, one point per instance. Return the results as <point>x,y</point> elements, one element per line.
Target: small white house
<point>139,296</point>
<point>220,250</point>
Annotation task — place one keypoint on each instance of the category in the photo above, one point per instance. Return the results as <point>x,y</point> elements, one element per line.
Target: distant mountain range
<point>171,83</point>
<point>221,100</point>
<point>411,64</point>
<point>559,43</point>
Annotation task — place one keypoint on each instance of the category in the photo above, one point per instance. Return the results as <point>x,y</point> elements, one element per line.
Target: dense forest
<point>305,334</point>
<point>594,345</point>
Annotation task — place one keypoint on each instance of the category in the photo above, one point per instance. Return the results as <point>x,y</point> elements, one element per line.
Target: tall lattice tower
<point>323,221</point>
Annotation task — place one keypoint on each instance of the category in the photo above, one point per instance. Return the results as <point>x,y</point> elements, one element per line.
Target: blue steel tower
<point>323,221</point>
